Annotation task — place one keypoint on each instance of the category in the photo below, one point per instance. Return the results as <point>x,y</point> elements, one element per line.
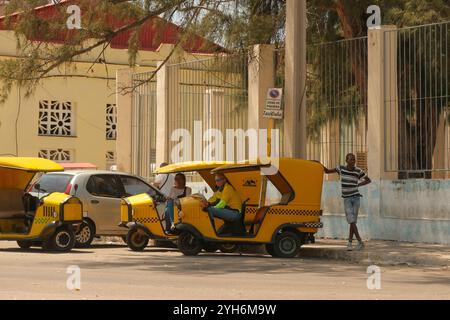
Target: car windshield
<point>53,183</point>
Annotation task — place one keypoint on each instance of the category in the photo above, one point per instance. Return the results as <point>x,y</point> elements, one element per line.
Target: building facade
<point>73,118</point>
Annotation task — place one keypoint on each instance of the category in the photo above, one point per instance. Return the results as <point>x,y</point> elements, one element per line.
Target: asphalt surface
<point>114,272</point>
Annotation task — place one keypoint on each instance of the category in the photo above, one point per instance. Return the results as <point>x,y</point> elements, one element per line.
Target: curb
<point>366,257</point>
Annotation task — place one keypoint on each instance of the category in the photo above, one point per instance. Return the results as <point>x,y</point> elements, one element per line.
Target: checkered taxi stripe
<point>43,220</point>
<point>251,210</point>
<point>313,225</point>
<point>287,212</point>
<point>147,220</point>
<point>293,212</point>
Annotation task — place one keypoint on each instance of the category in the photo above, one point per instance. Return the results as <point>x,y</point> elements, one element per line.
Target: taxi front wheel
<point>137,240</point>
<point>189,244</point>
<point>63,240</point>
<point>286,245</point>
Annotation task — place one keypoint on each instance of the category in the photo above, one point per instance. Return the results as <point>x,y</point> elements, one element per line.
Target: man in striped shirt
<point>352,178</point>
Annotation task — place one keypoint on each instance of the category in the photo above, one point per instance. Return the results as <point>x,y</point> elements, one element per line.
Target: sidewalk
<point>376,252</point>
<point>381,253</point>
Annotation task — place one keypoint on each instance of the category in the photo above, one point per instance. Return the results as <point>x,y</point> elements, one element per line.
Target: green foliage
<point>234,24</point>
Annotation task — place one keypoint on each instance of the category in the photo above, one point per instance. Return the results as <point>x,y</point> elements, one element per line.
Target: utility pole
<point>295,81</point>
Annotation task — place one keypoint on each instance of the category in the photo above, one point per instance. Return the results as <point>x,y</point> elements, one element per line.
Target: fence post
<point>261,74</point>
<point>167,100</point>
<point>124,101</point>
<point>295,87</point>
<point>382,88</point>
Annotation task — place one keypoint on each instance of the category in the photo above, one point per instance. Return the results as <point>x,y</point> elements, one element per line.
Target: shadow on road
<point>155,260</point>
<point>41,251</point>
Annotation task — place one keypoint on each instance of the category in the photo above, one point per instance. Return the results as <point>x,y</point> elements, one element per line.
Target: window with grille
<point>110,159</point>
<point>56,119</point>
<point>58,155</point>
<point>111,122</point>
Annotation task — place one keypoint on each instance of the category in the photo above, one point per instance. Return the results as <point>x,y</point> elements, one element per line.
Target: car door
<point>103,206</point>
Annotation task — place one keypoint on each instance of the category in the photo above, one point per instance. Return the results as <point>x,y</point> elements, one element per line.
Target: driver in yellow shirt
<point>226,203</point>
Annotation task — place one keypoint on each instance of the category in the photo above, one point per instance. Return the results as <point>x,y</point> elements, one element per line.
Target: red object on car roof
<point>75,166</point>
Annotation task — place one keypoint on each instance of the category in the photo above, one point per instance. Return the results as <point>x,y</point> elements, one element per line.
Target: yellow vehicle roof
<point>30,164</point>
<point>192,166</point>
<point>203,168</point>
<point>304,178</point>
<point>17,173</point>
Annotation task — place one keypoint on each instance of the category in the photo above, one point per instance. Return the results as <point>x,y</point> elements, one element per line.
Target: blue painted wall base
<point>410,210</point>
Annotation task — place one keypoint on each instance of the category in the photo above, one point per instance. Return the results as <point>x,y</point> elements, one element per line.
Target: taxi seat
<point>259,218</point>
<point>236,228</point>
<point>11,205</point>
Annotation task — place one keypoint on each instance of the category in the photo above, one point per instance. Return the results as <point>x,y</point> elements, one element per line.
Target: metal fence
<point>211,93</point>
<point>143,117</point>
<point>337,101</point>
<point>417,109</point>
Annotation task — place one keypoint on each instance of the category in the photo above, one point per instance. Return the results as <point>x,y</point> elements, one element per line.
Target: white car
<point>101,193</point>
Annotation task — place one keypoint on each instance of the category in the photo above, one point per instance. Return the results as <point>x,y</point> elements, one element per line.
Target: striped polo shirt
<point>350,181</point>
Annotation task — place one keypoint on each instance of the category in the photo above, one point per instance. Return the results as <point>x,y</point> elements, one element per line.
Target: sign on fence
<point>274,107</point>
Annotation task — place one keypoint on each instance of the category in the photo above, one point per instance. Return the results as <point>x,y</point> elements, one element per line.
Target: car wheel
<point>211,247</point>
<point>189,244</point>
<point>85,235</point>
<point>228,248</point>
<point>63,240</point>
<point>287,245</point>
<point>137,240</point>
<point>24,244</point>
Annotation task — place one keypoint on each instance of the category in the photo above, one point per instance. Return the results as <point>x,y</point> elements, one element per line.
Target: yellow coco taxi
<point>143,214</point>
<point>281,209</point>
<point>30,221</point>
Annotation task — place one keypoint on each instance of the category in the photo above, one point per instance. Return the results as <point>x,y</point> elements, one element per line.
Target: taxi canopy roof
<point>203,168</point>
<point>16,173</point>
<point>299,181</point>
<point>193,166</point>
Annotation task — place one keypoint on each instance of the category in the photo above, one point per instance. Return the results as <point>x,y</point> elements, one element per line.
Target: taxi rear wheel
<point>63,240</point>
<point>269,249</point>
<point>287,245</point>
<point>211,247</point>
<point>137,240</point>
<point>228,248</point>
<point>189,244</point>
<point>24,244</point>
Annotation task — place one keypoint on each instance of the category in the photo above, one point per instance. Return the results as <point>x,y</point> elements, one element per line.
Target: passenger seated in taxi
<point>178,191</point>
<point>225,204</point>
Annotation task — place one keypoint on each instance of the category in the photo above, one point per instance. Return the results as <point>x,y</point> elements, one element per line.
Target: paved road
<point>114,272</point>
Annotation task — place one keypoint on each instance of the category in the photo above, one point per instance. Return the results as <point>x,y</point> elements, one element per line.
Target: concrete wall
<point>409,210</point>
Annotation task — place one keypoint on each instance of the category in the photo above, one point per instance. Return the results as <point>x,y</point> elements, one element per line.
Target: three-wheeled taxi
<point>143,214</point>
<point>48,222</point>
<point>281,209</point>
